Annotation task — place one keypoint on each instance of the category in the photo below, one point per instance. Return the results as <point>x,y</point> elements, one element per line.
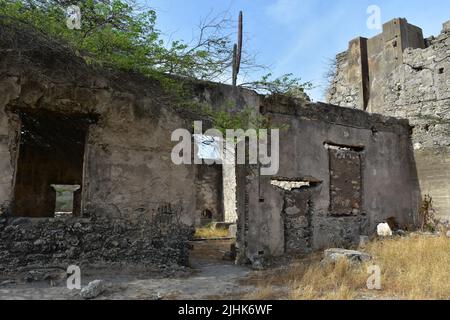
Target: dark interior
<point>51,151</point>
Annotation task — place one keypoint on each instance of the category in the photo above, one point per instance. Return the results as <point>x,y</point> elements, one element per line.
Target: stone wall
<point>413,83</point>
<point>28,242</point>
<point>371,179</point>
<point>343,90</point>
<point>229,195</point>
<point>127,167</point>
<point>419,90</point>
<point>209,190</point>
<point>127,170</point>
<point>297,214</point>
<point>128,177</point>
<point>361,71</point>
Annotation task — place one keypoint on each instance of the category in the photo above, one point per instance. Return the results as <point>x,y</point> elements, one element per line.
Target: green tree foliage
<point>112,32</point>
<point>287,84</point>
<point>122,34</point>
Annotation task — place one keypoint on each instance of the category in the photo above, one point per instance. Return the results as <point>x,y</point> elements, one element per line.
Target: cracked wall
<point>127,172</point>
<point>408,77</point>
<point>209,189</point>
<point>155,241</point>
<point>276,220</point>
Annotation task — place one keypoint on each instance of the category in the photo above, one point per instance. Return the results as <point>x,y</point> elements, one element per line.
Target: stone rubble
<point>93,289</point>
<point>383,230</point>
<point>363,241</point>
<point>335,254</point>
<point>63,242</point>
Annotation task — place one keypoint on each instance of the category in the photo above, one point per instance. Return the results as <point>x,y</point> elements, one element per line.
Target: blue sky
<point>299,36</point>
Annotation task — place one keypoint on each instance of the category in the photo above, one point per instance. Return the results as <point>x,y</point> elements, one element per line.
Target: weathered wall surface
<point>385,52</point>
<point>9,137</point>
<point>361,71</point>
<point>411,81</point>
<point>229,192</point>
<point>209,194</point>
<point>273,221</point>
<point>220,96</point>
<point>127,168</point>
<point>419,90</point>
<point>160,241</point>
<point>348,89</point>
<point>127,173</point>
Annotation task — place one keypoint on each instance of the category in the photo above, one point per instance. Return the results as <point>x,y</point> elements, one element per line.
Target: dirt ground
<point>209,277</point>
<point>212,276</point>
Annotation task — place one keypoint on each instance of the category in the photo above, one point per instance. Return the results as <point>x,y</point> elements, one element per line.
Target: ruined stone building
<point>354,165</point>
<point>106,136</point>
<point>399,73</point>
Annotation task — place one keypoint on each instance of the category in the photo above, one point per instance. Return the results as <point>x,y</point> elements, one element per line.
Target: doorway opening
<point>51,154</point>
<point>214,239</point>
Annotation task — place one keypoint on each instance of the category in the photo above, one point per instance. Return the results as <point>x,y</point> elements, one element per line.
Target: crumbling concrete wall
<point>350,80</point>
<point>380,185</point>
<point>128,174</point>
<point>127,171</point>
<point>128,168</point>
<point>361,70</point>
<point>408,78</point>
<point>9,138</point>
<point>209,189</point>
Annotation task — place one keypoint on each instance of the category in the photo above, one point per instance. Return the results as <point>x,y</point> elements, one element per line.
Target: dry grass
<point>310,280</point>
<point>415,267</point>
<point>330,282</point>
<point>267,292</point>
<point>210,233</point>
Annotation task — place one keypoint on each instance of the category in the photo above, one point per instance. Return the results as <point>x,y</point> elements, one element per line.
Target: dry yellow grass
<point>267,292</point>
<point>415,267</point>
<point>210,233</point>
<point>333,281</point>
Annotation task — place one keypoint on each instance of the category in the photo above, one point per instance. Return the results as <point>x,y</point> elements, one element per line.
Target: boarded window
<point>345,181</point>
